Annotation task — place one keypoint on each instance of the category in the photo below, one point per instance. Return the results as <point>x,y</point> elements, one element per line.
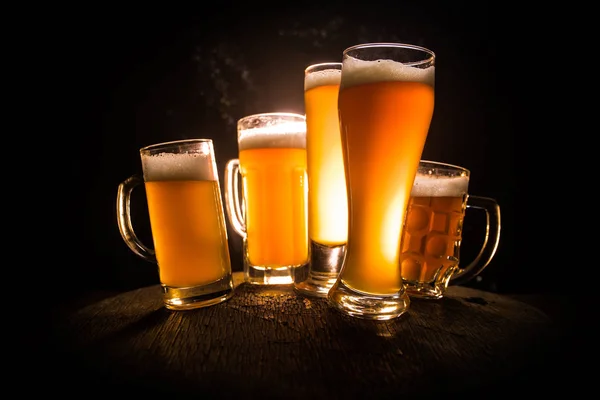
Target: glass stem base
<point>322,271</point>
<point>366,305</point>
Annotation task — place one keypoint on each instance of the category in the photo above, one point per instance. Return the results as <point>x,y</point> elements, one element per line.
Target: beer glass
<point>268,209</point>
<point>327,202</point>
<point>187,222</point>
<point>386,102</point>
<point>432,234</point>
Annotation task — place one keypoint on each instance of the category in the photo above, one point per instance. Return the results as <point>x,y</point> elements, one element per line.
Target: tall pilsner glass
<point>386,103</point>
<point>327,202</point>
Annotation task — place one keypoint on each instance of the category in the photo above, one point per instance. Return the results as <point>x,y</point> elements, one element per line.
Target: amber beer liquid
<point>433,230</point>
<point>274,184</point>
<point>186,218</point>
<point>327,197</point>
<point>272,164</point>
<point>327,201</point>
<point>385,111</point>
<point>187,222</point>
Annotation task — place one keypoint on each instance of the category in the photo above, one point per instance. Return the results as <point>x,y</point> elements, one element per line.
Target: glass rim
<point>245,123</point>
<point>337,65</point>
<point>273,114</point>
<point>174,143</point>
<point>390,45</point>
<point>442,165</point>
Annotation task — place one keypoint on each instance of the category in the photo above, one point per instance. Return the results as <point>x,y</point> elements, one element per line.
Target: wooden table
<point>268,342</point>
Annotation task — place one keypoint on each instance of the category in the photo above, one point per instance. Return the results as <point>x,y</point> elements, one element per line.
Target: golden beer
<point>385,111</point>
<point>188,231</point>
<point>187,221</point>
<point>274,181</point>
<point>270,214</point>
<point>186,217</point>
<point>327,198</point>
<point>433,229</point>
<point>432,235</point>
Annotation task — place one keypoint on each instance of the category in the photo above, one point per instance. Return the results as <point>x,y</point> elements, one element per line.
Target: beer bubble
<point>439,186</point>
<point>358,72</point>
<point>322,78</point>
<point>179,167</point>
<point>284,135</point>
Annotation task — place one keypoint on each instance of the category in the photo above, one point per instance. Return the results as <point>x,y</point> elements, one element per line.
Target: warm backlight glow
<point>327,197</point>
<point>385,111</point>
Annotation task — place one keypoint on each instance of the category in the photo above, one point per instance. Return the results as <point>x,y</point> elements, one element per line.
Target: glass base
<point>367,305</point>
<point>316,284</point>
<point>424,290</point>
<point>262,275</point>
<point>189,298</point>
<point>433,288</point>
<point>322,271</point>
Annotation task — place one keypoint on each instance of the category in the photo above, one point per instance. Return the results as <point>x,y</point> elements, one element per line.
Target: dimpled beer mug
<point>433,230</point>
<point>327,202</point>
<point>385,105</point>
<point>187,222</point>
<point>268,209</point>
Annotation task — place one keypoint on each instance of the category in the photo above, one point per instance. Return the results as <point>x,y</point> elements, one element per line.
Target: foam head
<point>358,72</point>
<point>439,186</point>
<point>279,134</point>
<point>323,77</point>
<point>196,166</point>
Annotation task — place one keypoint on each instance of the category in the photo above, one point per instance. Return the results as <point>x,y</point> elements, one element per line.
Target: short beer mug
<point>187,222</point>
<point>269,208</point>
<point>433,230</point>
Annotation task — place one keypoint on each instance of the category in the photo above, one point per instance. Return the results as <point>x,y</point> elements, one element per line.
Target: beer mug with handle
<point>187,221</point>
<point>268,209</point>
<point>432,236</point>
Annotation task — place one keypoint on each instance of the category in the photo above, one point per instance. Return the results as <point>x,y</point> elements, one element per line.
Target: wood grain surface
<point>269,342</point>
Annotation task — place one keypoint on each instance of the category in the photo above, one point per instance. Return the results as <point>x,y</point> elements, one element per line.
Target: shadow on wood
<point>270,342</point>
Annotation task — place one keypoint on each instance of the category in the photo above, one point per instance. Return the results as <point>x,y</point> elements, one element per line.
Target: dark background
<point>130,78</point>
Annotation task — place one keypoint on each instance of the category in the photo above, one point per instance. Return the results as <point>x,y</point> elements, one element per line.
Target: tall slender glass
<point>327,201</point>
<point>386,103</point>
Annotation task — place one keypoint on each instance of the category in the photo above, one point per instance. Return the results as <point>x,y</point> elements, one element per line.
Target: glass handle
<point>235,213</point>
<point>490,242</point>
<point>124,218</point>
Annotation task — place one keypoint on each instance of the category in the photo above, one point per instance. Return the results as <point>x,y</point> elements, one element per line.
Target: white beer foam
<point>322,78</point>
<point>358,72</point>
<point>284,135</point>
<point>179,167</point>
<point>439,186</point>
